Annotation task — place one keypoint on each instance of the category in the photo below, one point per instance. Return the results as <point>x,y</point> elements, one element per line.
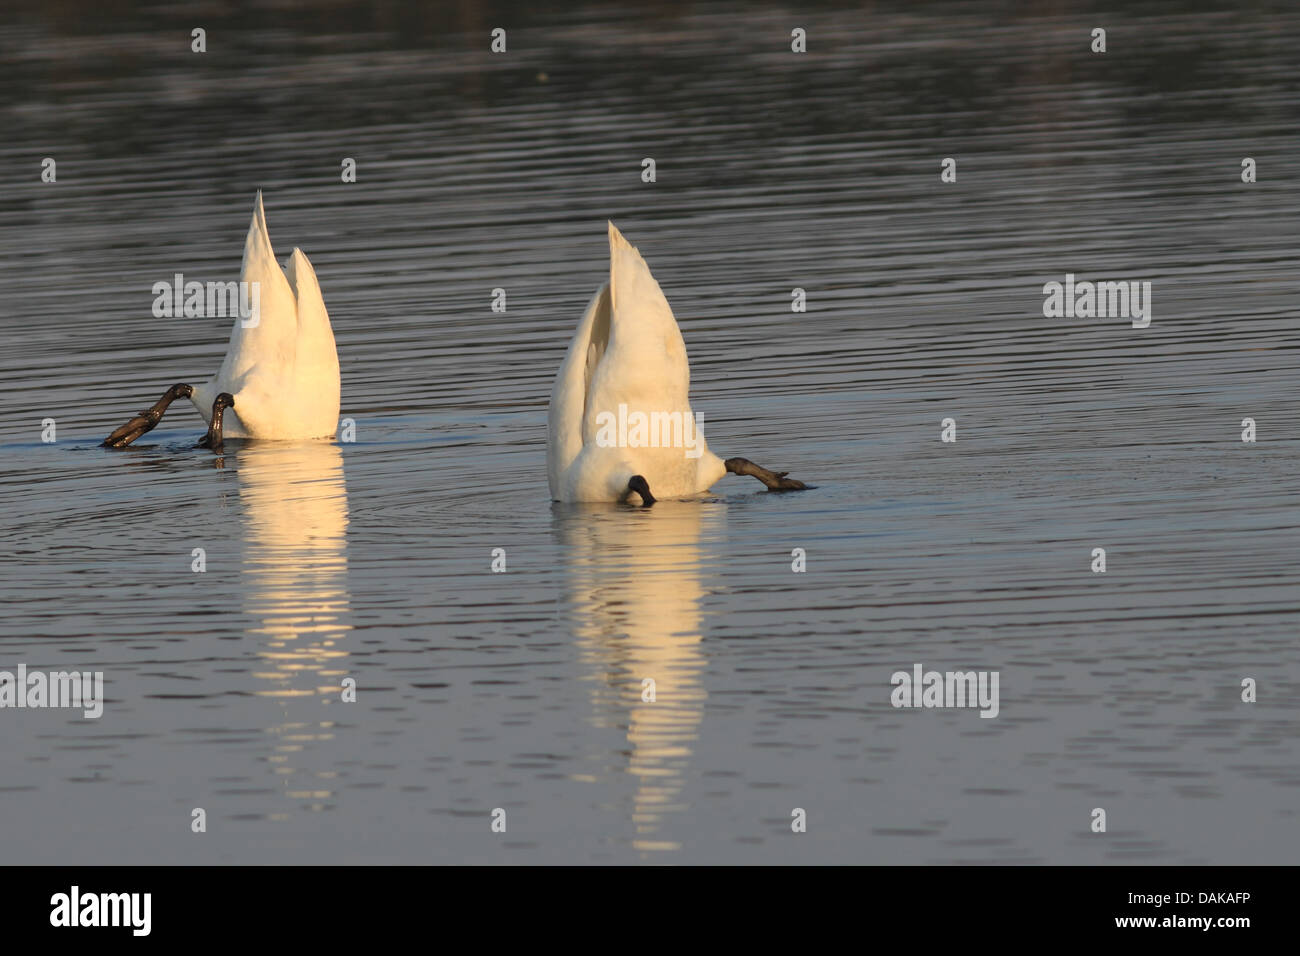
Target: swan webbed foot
<point>641,487</point>
<point>775,480</point>
<point>213,438</point>
<point>146,420</point>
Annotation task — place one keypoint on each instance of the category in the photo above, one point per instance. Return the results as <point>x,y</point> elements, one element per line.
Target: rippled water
<point>522,691</point>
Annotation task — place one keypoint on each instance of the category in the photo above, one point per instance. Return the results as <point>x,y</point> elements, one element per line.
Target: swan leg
<point>775,480</point>
<point>641,487</point>
<point>213,438</point>
<point>146,420</point>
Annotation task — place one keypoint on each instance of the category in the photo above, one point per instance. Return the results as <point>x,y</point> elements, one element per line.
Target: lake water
<point>521,690</point>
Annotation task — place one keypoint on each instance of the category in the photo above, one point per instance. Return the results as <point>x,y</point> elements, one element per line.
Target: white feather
<point>627,351</point>
<point>284,370</point>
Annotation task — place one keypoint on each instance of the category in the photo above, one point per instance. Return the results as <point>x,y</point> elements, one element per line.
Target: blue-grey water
<point>522,690</point>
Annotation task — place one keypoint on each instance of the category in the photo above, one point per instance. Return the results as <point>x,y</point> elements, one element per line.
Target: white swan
<point>620,422</point>
<point>281,371</point>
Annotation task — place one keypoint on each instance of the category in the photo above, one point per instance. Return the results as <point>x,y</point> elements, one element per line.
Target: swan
<point>280,376</point>
<point>619,425</point>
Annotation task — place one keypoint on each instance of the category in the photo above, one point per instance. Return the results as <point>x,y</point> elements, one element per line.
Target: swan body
<point>627,351</point>
<point>280,376</point>
<point>283,371</point>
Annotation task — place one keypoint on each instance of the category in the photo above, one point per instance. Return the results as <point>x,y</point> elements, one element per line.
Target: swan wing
<point>567,410</point>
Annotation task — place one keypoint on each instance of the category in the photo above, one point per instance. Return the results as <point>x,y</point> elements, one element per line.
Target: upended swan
<point>280,377</point>
<point>620,426</point>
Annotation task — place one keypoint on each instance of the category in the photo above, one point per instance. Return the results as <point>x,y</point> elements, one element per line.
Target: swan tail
<point>313,320</point>
<point>273,296</point>
<point>317,362</point>
<point>265,334</point>
<point>632,287</point>
<point>643,325</point>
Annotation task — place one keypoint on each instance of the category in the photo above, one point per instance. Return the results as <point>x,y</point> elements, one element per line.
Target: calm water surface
<point>522,690</point>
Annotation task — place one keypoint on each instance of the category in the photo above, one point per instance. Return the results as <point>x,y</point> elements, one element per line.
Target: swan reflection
<point>635,588</point>
<point>295,588</point>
